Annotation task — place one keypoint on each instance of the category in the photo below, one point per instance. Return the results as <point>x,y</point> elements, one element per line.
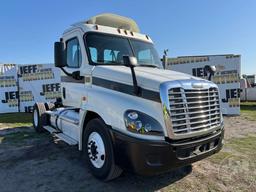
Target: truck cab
<point>122,109</point>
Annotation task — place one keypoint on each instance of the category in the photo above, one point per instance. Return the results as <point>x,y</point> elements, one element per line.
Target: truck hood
<point>147,77</point>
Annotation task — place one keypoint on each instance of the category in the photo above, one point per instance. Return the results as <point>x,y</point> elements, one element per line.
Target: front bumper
<point>153,157</point>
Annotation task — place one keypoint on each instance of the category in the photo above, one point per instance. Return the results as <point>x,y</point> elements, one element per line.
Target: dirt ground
<point>34,162</point>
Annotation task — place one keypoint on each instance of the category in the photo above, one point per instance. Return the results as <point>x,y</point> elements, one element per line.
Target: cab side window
<point>94,54</point>
<point>73,53</point>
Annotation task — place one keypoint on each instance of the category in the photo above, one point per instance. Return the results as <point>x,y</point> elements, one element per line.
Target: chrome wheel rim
<point>35,118</point>
<point>96,150</point>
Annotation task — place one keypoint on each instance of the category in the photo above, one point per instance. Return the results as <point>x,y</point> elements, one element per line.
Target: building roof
<point>197,58</point>
<point>214,55</point>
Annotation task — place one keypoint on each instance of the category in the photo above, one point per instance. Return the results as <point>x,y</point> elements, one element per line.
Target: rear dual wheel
<point>39,117</point>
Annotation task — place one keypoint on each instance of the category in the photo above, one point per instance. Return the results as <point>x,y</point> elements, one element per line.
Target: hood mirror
<point>210,70</point>
<point>130,61</point>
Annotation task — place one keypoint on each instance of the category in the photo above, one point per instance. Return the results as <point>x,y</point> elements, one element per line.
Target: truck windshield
<point>109,50</point>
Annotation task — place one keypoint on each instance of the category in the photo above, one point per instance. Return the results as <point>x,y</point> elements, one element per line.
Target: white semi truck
<point>122,109</point>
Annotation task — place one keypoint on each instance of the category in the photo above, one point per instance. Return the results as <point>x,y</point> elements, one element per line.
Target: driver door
<point>72,89</point>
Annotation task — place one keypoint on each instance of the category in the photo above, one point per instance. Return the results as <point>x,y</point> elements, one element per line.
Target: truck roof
<point>112,24</point>
<point>113,20</point>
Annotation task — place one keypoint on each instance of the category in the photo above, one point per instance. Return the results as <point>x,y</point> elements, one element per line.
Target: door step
<point>50,129</point>
<point>61,135</point>
<point>66,139</point>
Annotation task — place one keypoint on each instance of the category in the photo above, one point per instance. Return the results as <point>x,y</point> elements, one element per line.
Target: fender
<point>111,105</point>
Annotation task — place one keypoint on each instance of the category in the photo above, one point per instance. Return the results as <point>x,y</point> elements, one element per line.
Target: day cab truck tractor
<point>122,109</point>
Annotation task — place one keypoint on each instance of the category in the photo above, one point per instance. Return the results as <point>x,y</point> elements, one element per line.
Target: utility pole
<point>165,59</point>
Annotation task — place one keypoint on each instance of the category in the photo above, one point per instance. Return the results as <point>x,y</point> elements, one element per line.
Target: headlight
<point>139,122</point>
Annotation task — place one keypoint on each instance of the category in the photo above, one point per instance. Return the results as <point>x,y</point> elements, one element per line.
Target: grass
<point>236,164</point>
<point>244,146</point>
<point>248,110</point>
<point>20,137</point>
<point>217,158</point>
<point>16,119</point>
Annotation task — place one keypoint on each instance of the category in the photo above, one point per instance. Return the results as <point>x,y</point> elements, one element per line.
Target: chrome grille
<point>194,110</point>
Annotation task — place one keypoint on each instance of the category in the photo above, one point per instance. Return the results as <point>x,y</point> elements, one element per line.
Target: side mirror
<point>210,70</point>
<point>130,61</point>
<point>59,54</point>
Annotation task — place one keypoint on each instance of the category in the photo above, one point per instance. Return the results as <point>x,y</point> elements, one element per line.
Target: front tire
<point>98,151</point>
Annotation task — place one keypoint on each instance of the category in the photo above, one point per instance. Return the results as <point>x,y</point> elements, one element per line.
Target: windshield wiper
<point>108,63</point>
<point>146,65</point>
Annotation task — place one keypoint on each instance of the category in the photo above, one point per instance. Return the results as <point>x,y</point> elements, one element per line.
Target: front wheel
<point>98,151</point>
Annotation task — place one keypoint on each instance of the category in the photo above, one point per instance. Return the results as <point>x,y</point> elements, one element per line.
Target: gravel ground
<point>32,162</point>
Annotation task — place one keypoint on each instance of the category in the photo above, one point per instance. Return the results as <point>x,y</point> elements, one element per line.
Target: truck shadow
<point>153,183</point>
<point>129,181</point>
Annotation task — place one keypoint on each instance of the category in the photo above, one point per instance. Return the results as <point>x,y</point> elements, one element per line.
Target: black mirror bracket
<point>132,62</point>
<point>136,88</point>
<point>76,75</point>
